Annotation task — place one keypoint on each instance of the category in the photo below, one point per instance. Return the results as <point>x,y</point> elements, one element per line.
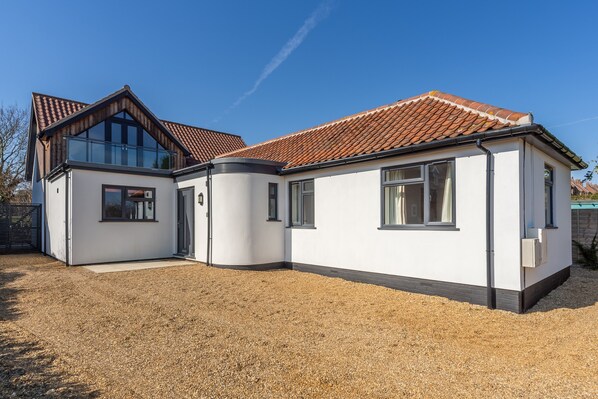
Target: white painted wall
<point>56,214</point>
<point>242,235</point>
<point>347,218</point>
<point>559,240</point>
<point>200,232</point>
<point>94,241</point>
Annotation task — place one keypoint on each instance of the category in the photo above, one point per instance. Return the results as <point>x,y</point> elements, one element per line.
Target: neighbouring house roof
<point>577,187</point>
<point>202,144</point>
<point>427,118</point>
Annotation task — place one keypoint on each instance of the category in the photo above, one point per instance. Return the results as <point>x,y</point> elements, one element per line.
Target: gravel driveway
<point>197,331</point>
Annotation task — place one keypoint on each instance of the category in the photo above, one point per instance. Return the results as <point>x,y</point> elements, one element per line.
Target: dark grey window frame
<point>275,198</point>
<point>302,193</point>
<point>549,183</point>
<point>425,180</point>
<point>124,198</point>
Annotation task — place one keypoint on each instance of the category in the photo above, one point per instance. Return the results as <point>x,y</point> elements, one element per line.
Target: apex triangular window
<point>119,140</point>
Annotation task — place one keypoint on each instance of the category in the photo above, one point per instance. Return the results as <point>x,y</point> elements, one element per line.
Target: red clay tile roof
<point>204,144</point>
<point>50,109</point>
<point>428,117</point>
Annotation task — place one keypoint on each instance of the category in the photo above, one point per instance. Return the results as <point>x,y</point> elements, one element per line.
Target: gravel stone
<point>203,332</point>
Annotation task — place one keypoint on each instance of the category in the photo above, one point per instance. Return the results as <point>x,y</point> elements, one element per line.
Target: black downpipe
<point>489,227</point>
<point>45,205</point>
<point>209,214</point>
<point>66,216</point>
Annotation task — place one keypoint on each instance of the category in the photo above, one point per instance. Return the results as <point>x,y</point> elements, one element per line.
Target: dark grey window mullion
<point>123,202</point>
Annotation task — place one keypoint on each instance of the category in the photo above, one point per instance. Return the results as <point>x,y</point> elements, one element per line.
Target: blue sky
<point>192,62</point>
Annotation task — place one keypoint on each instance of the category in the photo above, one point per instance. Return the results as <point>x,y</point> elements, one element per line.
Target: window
<point>419,195</point>
<point>549,196</point>
<point>120,140</point>
<point>302,203</point>
<point>128,203</point>
<point>272,201</point>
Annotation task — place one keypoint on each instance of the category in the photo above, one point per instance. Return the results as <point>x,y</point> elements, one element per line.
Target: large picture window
<point>302,203</point>
<point>548,196</point>
<point>419,195</point>
<point>120,140</point>
<point>120,203</point>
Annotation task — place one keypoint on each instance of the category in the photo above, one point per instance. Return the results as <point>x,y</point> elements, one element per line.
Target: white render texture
<point>347,221</point>
<point>94,241</point>
<point>559,239</point>
<point>56,217</point>
<point>242,235</point>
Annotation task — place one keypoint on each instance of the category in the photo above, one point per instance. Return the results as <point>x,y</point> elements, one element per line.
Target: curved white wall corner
<point>242,235</point>
<point>347,221</point>
<point>94,241</point>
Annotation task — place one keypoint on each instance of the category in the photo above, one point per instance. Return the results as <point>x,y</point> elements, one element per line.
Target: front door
<point>185,222</point>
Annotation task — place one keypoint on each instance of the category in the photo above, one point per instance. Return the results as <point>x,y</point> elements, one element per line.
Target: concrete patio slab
<point>138,265</point>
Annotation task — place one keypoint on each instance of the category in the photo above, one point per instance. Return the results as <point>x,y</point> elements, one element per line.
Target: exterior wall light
<point>200,199</point>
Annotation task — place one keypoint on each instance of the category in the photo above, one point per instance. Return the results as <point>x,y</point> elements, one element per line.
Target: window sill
<point>127,221</point>
<point>273,220</point>
<point>551,227</point>
<point>427,228</point>
<point>302,227</point>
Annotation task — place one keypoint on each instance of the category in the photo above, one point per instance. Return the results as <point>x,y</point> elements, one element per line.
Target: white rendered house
<point>434,194</point>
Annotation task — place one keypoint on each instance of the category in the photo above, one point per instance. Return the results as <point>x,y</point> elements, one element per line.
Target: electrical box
<point>531,252</point>
<point>540,234</point>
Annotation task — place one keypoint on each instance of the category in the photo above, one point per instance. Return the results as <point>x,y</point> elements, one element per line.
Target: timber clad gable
<point>56,118</point>
<point>58,143</point>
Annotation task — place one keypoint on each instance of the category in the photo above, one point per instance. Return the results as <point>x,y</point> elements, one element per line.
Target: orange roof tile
<point>204,144</point>
<point>428,117</point>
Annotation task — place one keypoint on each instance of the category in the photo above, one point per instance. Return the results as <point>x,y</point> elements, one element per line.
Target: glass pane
<point>164,160</point>
<point>404,204</point>
<point>308,185</point>
<point>412,172</point>
<point>271,190</point>
<point>97,152</point>
<point>120,115</point>
<point>97,132</point>
<point>295,199</point>
<point>116,152</point>
<point>77,150</point>
<point>112,203</point>
<point>149,210</point>
<point>148,140</point>
<point>135,193</point>
<point>150,159</point>
<point>127,116</point>
<point>308,209</point>
<point>132,135</point>
<point>547,174</point>
<point>272,208</point>
<point>548,205</point>
<point>117,136</point>
<point>134,209</point>
<point>441,192</point>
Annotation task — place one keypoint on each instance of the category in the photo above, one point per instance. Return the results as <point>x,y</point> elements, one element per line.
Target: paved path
<point>139,265</point>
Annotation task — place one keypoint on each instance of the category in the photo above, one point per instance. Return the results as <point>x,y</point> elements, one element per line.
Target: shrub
<point>589,253</point>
